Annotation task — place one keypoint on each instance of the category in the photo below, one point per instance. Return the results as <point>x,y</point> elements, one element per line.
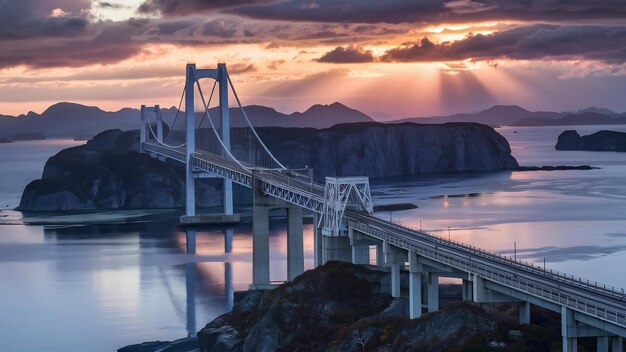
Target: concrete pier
<point>295,243</point>
<point>318,249</point>
<point>524,313</point>
<point>568,330</point>
<point>260,247</point>
<point>415,287</point>
<point>433,292</point>
<point>337,248</point>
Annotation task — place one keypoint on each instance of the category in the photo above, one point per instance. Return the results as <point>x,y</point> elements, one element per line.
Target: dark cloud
<point>224,28</point>
<point>113,44</point>
<point>349,54</point>
<point>432,11</point>
<point>35,18</point>
<point>189,7</point>
<point>607,44</point>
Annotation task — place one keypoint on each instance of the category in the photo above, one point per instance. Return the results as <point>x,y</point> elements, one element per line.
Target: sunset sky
<point>388,58</point>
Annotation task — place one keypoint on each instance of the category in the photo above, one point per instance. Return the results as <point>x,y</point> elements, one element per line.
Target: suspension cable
<point>196,130</point>
<point>250,124</point>
<point>180,103</point>
<point>215,131</point>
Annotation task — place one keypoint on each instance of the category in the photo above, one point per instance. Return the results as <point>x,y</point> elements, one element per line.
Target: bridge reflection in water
<point>345,229</point>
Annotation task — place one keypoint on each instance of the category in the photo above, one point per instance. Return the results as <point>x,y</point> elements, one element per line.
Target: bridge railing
<point>535,288</point>
<point>563,277</point>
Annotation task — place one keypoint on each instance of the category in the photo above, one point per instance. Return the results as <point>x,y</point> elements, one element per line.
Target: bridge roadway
<point>606,306</point>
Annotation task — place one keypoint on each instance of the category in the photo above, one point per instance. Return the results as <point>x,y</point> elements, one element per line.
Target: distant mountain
<point>497,115</point>
<point>72,120</point>
<point>602,111</point>
<point>586,118</point>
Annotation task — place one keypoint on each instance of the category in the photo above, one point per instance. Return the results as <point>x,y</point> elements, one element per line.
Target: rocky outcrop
<point>599,141</point>
<point>109,173</point>
<point>386,150</point>
<point>342,307</point>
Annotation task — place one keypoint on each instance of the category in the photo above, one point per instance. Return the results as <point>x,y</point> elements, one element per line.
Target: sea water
<point>100,281</point>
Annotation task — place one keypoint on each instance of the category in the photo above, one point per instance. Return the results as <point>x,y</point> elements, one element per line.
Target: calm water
<point>123,278</point>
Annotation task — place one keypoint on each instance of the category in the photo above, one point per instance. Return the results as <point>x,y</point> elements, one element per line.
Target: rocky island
<point>599,141</point>
<point>108,172</point>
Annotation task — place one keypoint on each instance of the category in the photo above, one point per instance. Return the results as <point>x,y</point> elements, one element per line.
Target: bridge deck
<point>604,303</point>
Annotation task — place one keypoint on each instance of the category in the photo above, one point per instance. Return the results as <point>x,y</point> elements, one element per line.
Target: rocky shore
<point>344,307</point>
<point>109,173</point>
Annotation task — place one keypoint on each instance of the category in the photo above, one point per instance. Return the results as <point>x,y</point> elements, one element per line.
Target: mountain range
<point>70,120</point>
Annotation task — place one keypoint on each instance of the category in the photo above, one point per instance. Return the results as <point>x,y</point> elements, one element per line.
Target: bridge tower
<point>193,75</point>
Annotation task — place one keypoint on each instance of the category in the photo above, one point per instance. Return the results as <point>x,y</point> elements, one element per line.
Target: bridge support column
<point>360,244</point>
<point>415,287</point>
<point>433,292</point>
<point>467,290</point>
<point>260,247</point>
<point>568,330</point>
<point>394,258</point>
<point>380,255</point>
<point>190,140</point>
<point>524,313</point>
<point>318,248</point>
<point>142,128</point>
<point>295,246</point>
<point>602,343</point>
<point>159,126</point>
<point>617,344</point>
<point>337,248</point>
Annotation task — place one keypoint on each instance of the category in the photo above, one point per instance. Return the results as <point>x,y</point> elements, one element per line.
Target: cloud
<point>431,11</point>
<point>189,7</point>
<point>113,44</point>
<point>541,41</point>
<point>349,54</point>
<point>38,18</point>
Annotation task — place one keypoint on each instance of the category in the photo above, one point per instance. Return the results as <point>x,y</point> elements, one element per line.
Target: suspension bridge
<point>345,228</point>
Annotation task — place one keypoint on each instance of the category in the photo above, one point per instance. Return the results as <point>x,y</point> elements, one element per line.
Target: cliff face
<point>599,141</point>
<point>109,173</point>
<point>386,150</point>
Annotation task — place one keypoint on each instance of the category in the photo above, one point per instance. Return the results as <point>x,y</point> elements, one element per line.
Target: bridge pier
<point>568,330</point>
<point>617,344</point>
<point>260,247</point>
<point>415,286</point>
<point>394,258</point>
<point>295,242</point>
<point>336,248</point>
<point>433,292</point>
<point>524,313</point>
<point>318,241</point>
<point>360,244</point>
<point>466,290</point>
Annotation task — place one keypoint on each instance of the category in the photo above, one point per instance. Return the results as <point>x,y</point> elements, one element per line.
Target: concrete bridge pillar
<point>260,246</point>
<point>433,292</point>
<point>360,246</point>
<point>467,290</point>
<point>337,248</point>
<point>617,344</point>
<point>295,246</point>
<point>568,330</point>
<point>380,255</point>
<point>602,343</point>
<point>394,258</point>
<point>318,248</point>
<point>415,287</point>
<point>524,313</point>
